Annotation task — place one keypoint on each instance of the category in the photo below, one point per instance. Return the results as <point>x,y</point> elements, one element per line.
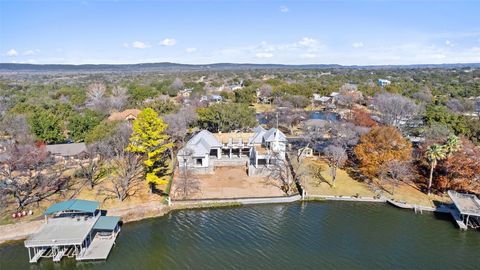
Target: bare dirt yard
<point>232,182</point>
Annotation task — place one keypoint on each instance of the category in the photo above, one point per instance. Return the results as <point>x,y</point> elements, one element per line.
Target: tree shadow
<point>157,191</point>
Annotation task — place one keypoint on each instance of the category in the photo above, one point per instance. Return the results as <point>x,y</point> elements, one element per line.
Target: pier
<point>467,210</point>
<point>74,228</point>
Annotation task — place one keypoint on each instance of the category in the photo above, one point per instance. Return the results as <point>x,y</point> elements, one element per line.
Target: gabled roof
<point>258,128</point>
<point>67,149</point>
<point>121,116</point>
<point>258,137</point>
<point>106,223</point>
<point>270,135</point>
<point>201,144</point>
<point>83,206</point>
<point>274,134</point>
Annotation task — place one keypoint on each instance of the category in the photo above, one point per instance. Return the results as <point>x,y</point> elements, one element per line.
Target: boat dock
<point>467,210</point>
<point>77,229</point>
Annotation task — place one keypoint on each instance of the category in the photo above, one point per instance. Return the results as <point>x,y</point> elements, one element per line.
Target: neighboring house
<point>262,98</point>
<point>305,152</point>
<point>236,86</point>
<point>127,115</point>
<point>334,94</point>
<point>185,92</point>
<point>67,151</point>
<point>216,98</point>
<point>382,82</point>
<point>203,152</point>
<point>317,98</point>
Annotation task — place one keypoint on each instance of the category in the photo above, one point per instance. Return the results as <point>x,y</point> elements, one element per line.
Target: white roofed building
<point>204,151</point>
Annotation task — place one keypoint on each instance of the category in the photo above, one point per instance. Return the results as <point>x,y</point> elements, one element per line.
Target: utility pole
<point>277,118</point>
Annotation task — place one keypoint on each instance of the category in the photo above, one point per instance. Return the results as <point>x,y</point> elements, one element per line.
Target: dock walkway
<point>98,249</point>
<point>458,219</point>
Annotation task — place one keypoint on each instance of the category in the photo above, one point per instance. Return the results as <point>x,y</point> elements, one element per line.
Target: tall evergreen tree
<point>150,140</point>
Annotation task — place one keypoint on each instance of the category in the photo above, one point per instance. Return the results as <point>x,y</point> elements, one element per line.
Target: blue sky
<point>359,32</point>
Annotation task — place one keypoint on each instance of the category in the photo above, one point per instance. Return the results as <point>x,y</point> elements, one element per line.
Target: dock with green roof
<point>74,228</point>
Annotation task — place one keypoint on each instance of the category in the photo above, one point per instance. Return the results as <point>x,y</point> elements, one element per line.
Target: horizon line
<point>237,63</point>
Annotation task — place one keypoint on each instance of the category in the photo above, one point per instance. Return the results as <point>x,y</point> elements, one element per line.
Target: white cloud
<point>12,52</point>
<point>305,48</point>
<point>140,45</point>
<point>191,50</point>
<point>357,44</point>
<point>264,55</point>
<point>284,9</point>
<point>307,42</point>
<point>449,43</point>
<point>168,42</point>
<point>31,52</point>
<point>137,45</point>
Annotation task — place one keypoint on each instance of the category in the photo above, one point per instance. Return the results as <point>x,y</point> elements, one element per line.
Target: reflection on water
<point>301,235</point>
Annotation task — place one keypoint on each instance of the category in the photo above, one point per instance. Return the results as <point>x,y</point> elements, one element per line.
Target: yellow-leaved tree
<point>150,140</point>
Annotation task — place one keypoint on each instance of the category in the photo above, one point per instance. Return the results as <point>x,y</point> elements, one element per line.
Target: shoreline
<point>21,230</point>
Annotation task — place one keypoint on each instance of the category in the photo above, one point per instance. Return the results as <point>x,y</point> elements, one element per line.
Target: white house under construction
<point>75,229</point>
<point>204,151</point>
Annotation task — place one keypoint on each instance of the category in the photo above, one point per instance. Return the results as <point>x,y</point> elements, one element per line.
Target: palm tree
<point>434,153</point>
<point>452,144</point>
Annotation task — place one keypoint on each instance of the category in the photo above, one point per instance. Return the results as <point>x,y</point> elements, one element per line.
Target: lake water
<point>324,116</point>
<point>330,235</point>
<point>262,119</point>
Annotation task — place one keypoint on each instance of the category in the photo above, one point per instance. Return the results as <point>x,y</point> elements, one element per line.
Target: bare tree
<point>115,144</point>
<point>266,92</point>
<point>95,94</point>
<point>299,102</point>
<point>17,128</point>
<point>177,84</point>
<point>179,123</point>
<point>286,116</point>
<point>349,95</point>
<point>91,166</point>
<point>118,99</point>
<point>345,134</point>
<point>99,153</point>
<point>424,95</point>
<point>29,176</point>
<point>280,173</point>
<point>460,106</point>
<point>126,177</point>
<point>336,157</point>
<point>187,184</point>
<point>5,104</point>
<point>395,110</point>
<point>394,172</point>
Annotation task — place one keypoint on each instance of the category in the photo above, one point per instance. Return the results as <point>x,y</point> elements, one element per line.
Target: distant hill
<point>172,67</point>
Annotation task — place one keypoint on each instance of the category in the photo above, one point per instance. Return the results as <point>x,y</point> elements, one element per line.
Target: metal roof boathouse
<point>75,229</point>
